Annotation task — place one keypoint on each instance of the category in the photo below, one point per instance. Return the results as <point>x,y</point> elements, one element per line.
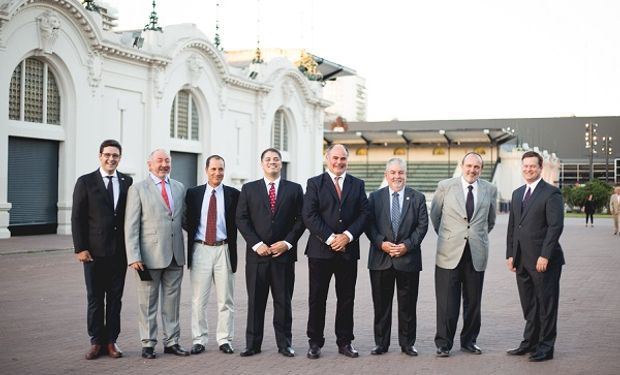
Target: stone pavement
<point>43,329</point>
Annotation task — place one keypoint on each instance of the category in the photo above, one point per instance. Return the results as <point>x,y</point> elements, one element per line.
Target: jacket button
<point>340,221</point>
<point>468,227</point>
<point>465,218</point>
<point>115,228</point>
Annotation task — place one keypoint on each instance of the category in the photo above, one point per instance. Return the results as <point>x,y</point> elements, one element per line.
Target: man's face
<point>617,190</point>
<point>530,169</point>
<point>471,167</point>
<point>160,164</point>
<point>109,159</point>
<point>396,177</point>
<point>337,160</point>
<point>215,172</point>
<point>272,165</point>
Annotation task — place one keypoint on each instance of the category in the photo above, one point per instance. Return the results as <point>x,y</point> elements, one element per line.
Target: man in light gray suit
<point>463,214</point>
<point>154,243</point>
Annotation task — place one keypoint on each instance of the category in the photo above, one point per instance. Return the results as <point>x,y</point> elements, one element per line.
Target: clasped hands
<point>541,264</point>
<point>275,250</point>
<point>340,242</point>
<point>393,249</point>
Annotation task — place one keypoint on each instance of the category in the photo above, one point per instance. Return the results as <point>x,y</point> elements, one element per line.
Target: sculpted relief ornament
<point>49,26</point>
<point>195,67</point>
<point>95,69</point>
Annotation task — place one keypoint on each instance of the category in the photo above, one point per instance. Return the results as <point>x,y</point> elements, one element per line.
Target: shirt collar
<point>333,176</point>
<point>533,185</point>
<point>402,191</point>
<point>218,189</point>
<point>104,174</point>
<point>466,184</point>
<point>276,182</point>
<point>157,180</point>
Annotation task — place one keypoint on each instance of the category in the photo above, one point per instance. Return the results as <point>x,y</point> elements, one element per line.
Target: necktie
<point>210,237</point>
<point>469,204</point>
<point>272,197</point>
<point>395,213</point>
<point>110,190</point>
<point>338,191</point>
<point>164,195</point>
<point>526,198</point>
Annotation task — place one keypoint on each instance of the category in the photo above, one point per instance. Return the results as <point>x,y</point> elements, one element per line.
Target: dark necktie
<point>395,213</point>
<point>338,191</point>
<point>110,190</point>
<point>526,198</point>
<point>164,195</point>
<point>469,204</point>
<point>210,236</point>
<point>272,197</point>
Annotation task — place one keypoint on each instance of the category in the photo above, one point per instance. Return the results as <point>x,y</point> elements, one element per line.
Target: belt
<point>216,243</point>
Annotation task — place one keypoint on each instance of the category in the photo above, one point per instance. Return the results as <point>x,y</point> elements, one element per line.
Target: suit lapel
<point>264,194</point>
<point>122,194</point>
<point>482,191</point>
<point>535,194</point>
<point>155,189</point>
<point>98,180</point>
<point>331,186</point>
<point>280,194</point>
<point>407,198</point>
<point>460,197</point>
<point>346,188</point>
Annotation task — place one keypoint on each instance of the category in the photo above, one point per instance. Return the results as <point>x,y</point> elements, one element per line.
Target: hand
<point>263,250</point>
<point>510,264</point>
<point>84,256</point>
<point>278,248</point>
<point>340,242</point>
<point>541,264</point>
<point>387,246</point>
<point>398,250</point>
<point>138,266</point>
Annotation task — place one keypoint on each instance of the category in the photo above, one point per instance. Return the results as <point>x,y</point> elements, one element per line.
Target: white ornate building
<point>70,81</point>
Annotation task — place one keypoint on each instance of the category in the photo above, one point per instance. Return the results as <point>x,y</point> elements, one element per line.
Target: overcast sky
<point>434,59</point>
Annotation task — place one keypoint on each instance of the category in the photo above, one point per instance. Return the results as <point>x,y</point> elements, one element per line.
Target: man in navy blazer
<point>269,218</point>
<point>97,225</point>
<point>534,253</point>
<point>335,209</point>
<point>397,225</point>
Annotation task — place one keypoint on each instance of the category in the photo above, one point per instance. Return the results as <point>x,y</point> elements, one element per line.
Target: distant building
<point>349,97</point>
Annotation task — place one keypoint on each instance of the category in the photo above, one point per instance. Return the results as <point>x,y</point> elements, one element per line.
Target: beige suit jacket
<point>614,206</point>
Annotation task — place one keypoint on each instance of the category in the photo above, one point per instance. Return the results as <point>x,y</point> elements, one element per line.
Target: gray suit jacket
<point>449,219</point>
<point>152,236</point>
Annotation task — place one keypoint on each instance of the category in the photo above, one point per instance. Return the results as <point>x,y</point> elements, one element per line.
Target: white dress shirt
<point>220,226</point>
<point>115,184</point>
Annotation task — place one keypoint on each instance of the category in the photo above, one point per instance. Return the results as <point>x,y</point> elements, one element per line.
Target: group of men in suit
<point>116,224</point>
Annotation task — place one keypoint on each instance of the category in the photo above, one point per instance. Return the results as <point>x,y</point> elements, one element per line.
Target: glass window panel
<point>33,101</point>
<point>53,100</point>
<point>172,118</point>
<point>276,129</point>
<point>284,134</point>
<point>15,93</point>
<point>183,115</point>
<point>194,120</point>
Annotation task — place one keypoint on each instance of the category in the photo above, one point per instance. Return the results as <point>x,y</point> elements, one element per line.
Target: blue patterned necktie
<point>395,214</point>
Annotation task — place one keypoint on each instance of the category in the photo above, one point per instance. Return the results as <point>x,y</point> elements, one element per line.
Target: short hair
<point>473,153</point>
<point>216,157</point>
<point>331,147</point>
<point>159,149</point>
<point>398,161</point>
<point>270,149</point>
<point>533,154</point>
<point>110,143</point>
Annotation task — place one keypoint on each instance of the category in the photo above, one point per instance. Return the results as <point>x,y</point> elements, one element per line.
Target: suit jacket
<point>324,214</point>
<point>614,206</point>
<point>536,231</point>
<point>411,230</point>
<point>95,225</point>
<point>256,222</point>
<point>152,235</point>
<point>449,218</point>
<point>193,201</point>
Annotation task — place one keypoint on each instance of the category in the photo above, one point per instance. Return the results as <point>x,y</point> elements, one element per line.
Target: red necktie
<point>338,191</point>
<point>272,197</point>
<point>210,237</point>
<point>164,194</point>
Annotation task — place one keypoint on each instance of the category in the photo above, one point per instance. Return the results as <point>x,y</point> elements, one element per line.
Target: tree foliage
<point>576,196</point>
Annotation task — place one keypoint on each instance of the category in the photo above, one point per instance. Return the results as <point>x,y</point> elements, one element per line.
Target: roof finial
<point>258,59</point>
<point>90,5</point>
<point>152,25</point>
<point>218,41</point>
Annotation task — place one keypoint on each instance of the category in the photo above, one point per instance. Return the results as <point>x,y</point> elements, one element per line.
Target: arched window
<point>184,118</point>
<point>33,93</point>
<point>279,131</point>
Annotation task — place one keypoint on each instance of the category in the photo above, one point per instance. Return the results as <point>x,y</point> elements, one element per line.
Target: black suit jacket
<point>536,230</point>
<point>193,207</point>
<point>324,214</point>
<point>256,223</point>
<point>95,225</point>
<point>411,231</point>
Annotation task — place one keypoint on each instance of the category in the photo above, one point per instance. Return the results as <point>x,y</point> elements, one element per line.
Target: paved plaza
<point>43,322</point>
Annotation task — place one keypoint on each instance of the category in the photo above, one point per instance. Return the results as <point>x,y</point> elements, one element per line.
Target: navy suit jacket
<point>324,214</point>
<point>193,204</point>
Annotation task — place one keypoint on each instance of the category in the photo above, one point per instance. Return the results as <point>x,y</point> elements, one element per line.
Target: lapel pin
<point>407,198</point>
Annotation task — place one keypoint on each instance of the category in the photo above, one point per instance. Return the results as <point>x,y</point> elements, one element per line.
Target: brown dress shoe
<point>114,351</point>
<point>94,352</point>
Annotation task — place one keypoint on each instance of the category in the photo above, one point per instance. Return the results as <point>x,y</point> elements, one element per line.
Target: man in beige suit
<point>614,206</point>
<point>463,214</point>
<point>154,243</point>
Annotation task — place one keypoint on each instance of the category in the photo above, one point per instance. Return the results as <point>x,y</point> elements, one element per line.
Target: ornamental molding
<point>48,28</point>
<point>95,70</point>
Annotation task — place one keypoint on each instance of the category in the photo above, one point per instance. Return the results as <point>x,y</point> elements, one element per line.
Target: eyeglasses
<point>113,156</point>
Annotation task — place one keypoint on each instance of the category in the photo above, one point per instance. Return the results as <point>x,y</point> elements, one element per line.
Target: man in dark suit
<point>97,220</point>
<point>212,254</point>
<point>335,209</point>
<point>269,218</point>
<point>397,225</point>
<point>534,253</point>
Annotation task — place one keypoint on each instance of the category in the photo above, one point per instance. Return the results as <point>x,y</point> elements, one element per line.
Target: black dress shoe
<point>443,352</point>
<point>197,349</point>
<point>226,348</point>
<point>176,349</point>
<point>540,356</point>
<point>378,350</point>
<point>287,352</point>
<point>349,351</point>
<point>471,348</point>
<point>148,353</point>
<point>314,352</point>
<point>410,350</point>
<point>521,350</point>
<point>248,352</point>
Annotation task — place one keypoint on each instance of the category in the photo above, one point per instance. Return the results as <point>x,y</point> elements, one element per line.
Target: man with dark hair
<point>269,218</point>
<point>212,253</point>
<point>534,253</point>
<point>97,221</point>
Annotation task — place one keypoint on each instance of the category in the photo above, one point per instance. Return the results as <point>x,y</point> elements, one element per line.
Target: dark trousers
<point>320,274</point>
<point>539,293</point>
<point>448,286</point>
<point>260,278</point>
<point>105,280</point>
<point>590,216</point>
<point>382,282</point>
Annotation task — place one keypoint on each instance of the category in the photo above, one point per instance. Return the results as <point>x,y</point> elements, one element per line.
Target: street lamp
<point>608,151</point>
<point>591,142</point>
